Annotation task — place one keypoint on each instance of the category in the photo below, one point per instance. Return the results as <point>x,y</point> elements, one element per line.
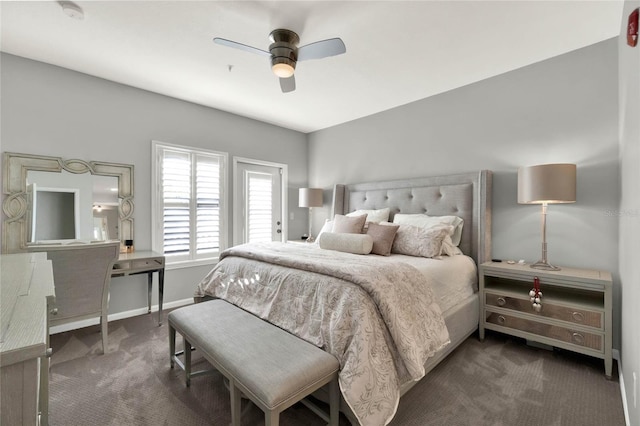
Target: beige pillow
<point>415,241</point>
<point>426,221</point>
<point>383,236</point>
<point>348,225</point>
<point>349,243</point>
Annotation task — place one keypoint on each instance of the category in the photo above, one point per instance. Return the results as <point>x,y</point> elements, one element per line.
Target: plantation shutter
<point>259,212</point>
<point>191,203</point>
<point>207,204</point>
<point>176,197</point>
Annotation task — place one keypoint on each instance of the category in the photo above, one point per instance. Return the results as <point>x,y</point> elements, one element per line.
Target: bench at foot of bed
<point>264,363</point>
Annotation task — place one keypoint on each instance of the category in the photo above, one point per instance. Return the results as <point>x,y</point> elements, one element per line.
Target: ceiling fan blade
<point>321,49</point>
<point>236,45</point>
<point>288,84</point>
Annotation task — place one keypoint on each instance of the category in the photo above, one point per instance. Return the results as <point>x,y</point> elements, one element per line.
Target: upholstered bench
<point>268,365</point>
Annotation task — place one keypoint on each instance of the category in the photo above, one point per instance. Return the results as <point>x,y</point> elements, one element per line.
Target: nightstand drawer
<point>579,338</point>
<point>549,310</point>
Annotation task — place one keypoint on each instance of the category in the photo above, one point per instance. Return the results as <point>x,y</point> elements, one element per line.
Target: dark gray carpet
<point>500,381</point>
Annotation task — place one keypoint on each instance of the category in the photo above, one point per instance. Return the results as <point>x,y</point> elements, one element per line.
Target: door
<point>258,201</point>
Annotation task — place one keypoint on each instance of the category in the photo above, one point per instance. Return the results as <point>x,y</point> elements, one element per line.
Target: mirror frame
<point>14,186</point>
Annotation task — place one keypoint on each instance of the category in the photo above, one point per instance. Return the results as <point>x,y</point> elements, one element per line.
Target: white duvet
<point>379,318</point>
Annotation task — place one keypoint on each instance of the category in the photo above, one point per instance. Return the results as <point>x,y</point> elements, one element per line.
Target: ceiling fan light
<point>282,70</point>
<point>71,9</point>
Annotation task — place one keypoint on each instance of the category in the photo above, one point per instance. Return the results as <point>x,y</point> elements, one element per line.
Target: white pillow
<point>376,216</point>
<point>426,221</point>
<point>449,248</point>
<point>350,243</point>
<point>327,227</point>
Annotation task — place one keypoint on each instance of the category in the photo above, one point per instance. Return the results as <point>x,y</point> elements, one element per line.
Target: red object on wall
<point>632,29</point>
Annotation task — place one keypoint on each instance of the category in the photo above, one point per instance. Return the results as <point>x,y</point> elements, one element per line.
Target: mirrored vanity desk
<point>143,262</point>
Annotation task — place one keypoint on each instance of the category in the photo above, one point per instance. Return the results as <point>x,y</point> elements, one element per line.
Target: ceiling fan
<point>285,53</point>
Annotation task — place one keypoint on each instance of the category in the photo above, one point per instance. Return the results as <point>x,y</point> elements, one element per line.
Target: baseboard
<point>623,392</point>
<point>117,316</point>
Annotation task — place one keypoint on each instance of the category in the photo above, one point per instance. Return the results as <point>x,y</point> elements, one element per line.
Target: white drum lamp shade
<point>546,184</point>
<point>310,197</point>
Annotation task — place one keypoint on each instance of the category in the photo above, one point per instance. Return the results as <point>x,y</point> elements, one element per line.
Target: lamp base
<point>541,264</point>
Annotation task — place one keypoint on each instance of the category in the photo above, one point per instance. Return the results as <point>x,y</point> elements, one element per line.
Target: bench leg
<point>271,418</point>
<point>172,345</point>
<point>187,361</point>
<point>334,403</point>
<point>236,413</point>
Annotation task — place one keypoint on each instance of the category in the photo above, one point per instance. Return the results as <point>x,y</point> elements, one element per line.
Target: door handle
<point>278,231</point>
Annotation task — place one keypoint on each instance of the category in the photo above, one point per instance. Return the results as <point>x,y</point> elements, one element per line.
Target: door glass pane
<point>259,201</point>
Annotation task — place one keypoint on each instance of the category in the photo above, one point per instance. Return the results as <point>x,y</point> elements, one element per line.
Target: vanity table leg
<point>160,294</point>
<point>150,287</point>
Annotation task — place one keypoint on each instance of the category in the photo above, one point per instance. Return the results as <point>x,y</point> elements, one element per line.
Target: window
<point>188,203</point>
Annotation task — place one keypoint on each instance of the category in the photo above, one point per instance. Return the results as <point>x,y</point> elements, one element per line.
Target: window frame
<point>157,211</point>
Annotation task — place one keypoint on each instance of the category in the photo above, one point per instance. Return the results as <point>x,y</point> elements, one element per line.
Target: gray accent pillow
<point>415,241</point>
<point>383,236</point>
<point>349,225</point>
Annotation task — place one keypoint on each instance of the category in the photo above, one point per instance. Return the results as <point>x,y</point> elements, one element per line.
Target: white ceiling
<point>397,51</point>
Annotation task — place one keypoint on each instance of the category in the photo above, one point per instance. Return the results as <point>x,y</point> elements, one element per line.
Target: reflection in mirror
<point>55,211</point>
<point>105,208</point>
<point>67,205</point>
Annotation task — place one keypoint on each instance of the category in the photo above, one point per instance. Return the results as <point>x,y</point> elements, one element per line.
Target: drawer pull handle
<point>501,319</point>
<point>578,338</point>
<point>54,311</point>
<point>501,301</point>
<point>578,316</point>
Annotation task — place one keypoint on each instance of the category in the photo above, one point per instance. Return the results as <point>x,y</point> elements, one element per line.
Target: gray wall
<point>629,214</point>
<point>564,109</point>
<point>49,110</point>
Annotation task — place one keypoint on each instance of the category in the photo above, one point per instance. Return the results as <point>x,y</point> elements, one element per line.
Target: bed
<point>371,311</point>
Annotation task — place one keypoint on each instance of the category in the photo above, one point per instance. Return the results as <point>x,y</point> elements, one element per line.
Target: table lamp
<point>310,197</point>
<point>546,184</point>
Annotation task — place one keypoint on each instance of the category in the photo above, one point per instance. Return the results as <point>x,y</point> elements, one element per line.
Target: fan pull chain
<point>535,295</point>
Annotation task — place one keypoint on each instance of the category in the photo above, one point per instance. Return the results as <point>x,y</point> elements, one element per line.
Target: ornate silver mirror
<point>51,199</point>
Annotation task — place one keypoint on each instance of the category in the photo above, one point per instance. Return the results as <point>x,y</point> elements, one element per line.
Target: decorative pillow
<point>349,243</point>
<point>415,241</point>
<point>426,221</point>
<point>375,216</point>
<point>349,225</point>
<point>383,236</point>
<point>327,227</point>
<point>449,248</point>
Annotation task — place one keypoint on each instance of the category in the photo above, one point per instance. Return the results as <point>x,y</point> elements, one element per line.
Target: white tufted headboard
<point>465,195</point>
